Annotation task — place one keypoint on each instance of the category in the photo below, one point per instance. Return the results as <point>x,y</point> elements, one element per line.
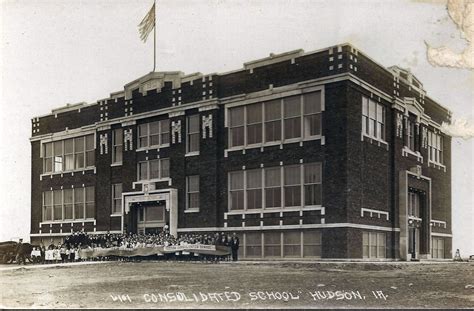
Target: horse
<point>23,252</point>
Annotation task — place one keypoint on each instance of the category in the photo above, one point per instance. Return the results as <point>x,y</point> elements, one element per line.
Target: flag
<point>147,24</point>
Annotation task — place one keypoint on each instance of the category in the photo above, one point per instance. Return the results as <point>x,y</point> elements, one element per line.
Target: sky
<point>57,52</point>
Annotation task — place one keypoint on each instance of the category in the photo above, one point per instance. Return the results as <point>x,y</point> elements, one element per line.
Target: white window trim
<point>187,208</point>
<point>119,213</point>
<point>373,211</point>
<point>195,152</point>
<point>438,223</point>
<point>62,140</point>
<point>67,220</point>
<point>148,171</point>
<point>116,163</point>
<point>415,218</point>
<point>376,245</point>
<point>148,146</point>
<point>191,210</point>
<point>283,208</point>
<point>363,133</point>
<point>282,141</point>
<point>406,151</point>
<point>191,154</point>
<point>278,210</point>
<point>156,147</point>
<point>89,168</point>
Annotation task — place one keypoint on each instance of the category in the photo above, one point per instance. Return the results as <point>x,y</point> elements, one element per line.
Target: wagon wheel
<point>4,258</point>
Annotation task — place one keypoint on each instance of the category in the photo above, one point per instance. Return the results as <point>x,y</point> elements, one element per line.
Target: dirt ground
<point>159,284</point>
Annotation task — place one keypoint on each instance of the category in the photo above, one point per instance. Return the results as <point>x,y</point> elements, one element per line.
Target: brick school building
<point>323,154</point>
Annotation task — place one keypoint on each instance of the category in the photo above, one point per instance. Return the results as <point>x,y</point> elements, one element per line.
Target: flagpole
<point>154,37</point>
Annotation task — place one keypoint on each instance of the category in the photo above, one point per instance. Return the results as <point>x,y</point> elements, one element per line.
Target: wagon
<point>7,251</point>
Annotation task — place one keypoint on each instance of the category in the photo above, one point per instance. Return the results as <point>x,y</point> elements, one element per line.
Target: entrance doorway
<point>151,216</point>
<point>150,210</point>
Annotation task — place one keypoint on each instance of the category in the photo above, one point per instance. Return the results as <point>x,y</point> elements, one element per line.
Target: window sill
<point>116,164</point>
<point>143,181</point>
<point>406,151</point>
<point>277,210</point>
<point>191,210</point>
<point>192,154</point>
<point>275,143</point>
<point>115,215</point>
<point>375,140</point>
<point>57,222</point>
<point>436,165</point>
<point>89,168</point>
<point>156,147</point>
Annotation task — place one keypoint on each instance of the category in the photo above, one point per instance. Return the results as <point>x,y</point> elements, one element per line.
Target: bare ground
<point>239,285</point>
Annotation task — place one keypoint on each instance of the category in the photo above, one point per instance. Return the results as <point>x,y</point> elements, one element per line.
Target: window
<point>79,203</point>
<point>116,198</point>
<point>69,154</point>
<point>154,169</point>
<point>273,121</point>
<point>254,189</point>
<point>373,245</point>
<point>312,114</point>
<point>47,206</point>
<point>437,247</point>
<point>292,186</point>
<point>410,141</point>
<point>192,192</point>
<point>262,122</point>
<point>311,244</point>
<point>117,143</point>
<point>236,126</point>
<point>254,124</point>
<point>373,119</point>
<point>236,190</point>
<point>154,213</point>
<point>312,184</point>
<point>48,158</point>
<point>143,170</point>
<point>58,156</point>
<point>79,152</point>
<point>292,116</point>
<point>292,244</point>
<point>277,244</point>
<point>435,147</point>
<point>154,134</point>
<point>68,207</point>
<point>142,135</point>
<point>69,204</point>
<point>90,202</point>
<point>273,187</point>
<point>165,168</point>
<point>192,143</point>
<point>413,204</point>
<point>57,205</point>
<point>90,151</point>
<point>263,188</point>
<point>253,244</point>
<point>272,244</point>
<point>164,132</point>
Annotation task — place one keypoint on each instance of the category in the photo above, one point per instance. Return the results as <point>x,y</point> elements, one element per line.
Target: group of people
<point>56,253</point>
<point>74,246</point>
